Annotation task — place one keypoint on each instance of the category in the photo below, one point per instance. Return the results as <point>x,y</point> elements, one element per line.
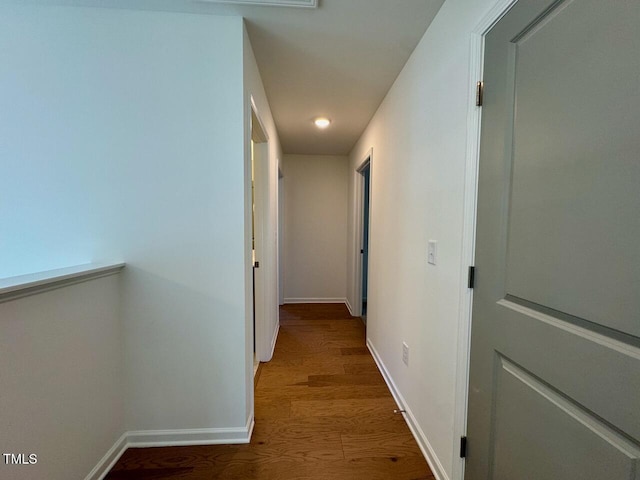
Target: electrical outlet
<point>432,252</point>
<point>405,353</point>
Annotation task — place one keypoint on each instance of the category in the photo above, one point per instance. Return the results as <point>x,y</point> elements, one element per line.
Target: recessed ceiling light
<point>322,122</point>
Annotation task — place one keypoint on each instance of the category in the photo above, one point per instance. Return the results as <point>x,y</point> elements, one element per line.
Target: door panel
<point>551,440</point>
<point>589,368</point>
<point>554,390</point>
<point>576,165</point>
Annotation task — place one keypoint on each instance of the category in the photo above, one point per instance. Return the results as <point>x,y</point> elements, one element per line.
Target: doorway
<point>363,236</point>
<point>261,218</point>
<point>364,251</point>
<point>280,235</point>
<point>259,205</point>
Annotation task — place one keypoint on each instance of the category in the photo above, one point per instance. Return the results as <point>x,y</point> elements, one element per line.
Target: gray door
<point>554,389</point>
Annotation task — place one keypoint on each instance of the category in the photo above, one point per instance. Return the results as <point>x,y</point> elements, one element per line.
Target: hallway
<point>322,411</point>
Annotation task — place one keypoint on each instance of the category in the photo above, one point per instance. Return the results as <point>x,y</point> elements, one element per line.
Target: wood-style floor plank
<point>359,368</point>
<point>322,412</point>
<point>371,408</point>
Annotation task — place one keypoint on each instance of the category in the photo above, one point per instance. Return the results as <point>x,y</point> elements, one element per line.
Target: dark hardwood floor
<point>322,411</point>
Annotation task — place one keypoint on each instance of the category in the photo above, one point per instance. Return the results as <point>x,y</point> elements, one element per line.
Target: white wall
<point>62,377</point>
<point>315,228</point>
<point>122,137</point>
<point>419,144</point>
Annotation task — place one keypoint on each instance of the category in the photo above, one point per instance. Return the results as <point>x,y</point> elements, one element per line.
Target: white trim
<point>110,458</point>
<point>34,283</point>
<point>367,159</point>
<point>248,270</point>
<point>196,436</point>
<point>346,302</point>
<point>262,311</point>
<point>315,300</point>
<point>427,450</point>
<point>266,292</point>
<point>280,234</point>
<point>271,3</point>
<point>251,423</point>
<point>256,113</point>
<point>474,116</point>
<point>274,340</point>
<point>493,16</point>
<point>170,438</point>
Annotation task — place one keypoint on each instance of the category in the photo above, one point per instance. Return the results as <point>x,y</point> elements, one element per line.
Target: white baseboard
<point>274,340</point>
<point>346,302</point>
<point>196,436</point>
<point>170,438</point>
<point>427,450</point>
<point>107,462</point>
<point>251,422</point>
<point>270,348</point>
<point>314,300</point>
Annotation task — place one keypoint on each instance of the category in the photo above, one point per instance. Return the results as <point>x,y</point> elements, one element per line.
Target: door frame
<point>474,117</point>
<point>359,231</point>
<point>280,236</point>
<point>265,304</point>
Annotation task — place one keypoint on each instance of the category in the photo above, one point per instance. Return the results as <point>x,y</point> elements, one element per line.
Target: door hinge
<point>256,265</point>
<point>479,93</point>
<point>463,447</point>
<point>472,277</point>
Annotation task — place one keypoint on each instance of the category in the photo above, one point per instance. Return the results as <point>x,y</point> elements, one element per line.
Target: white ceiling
<point>337,60</point>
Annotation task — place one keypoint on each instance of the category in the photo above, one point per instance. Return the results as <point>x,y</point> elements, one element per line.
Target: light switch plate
<point>405,353</point>
<point>432,252</point>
